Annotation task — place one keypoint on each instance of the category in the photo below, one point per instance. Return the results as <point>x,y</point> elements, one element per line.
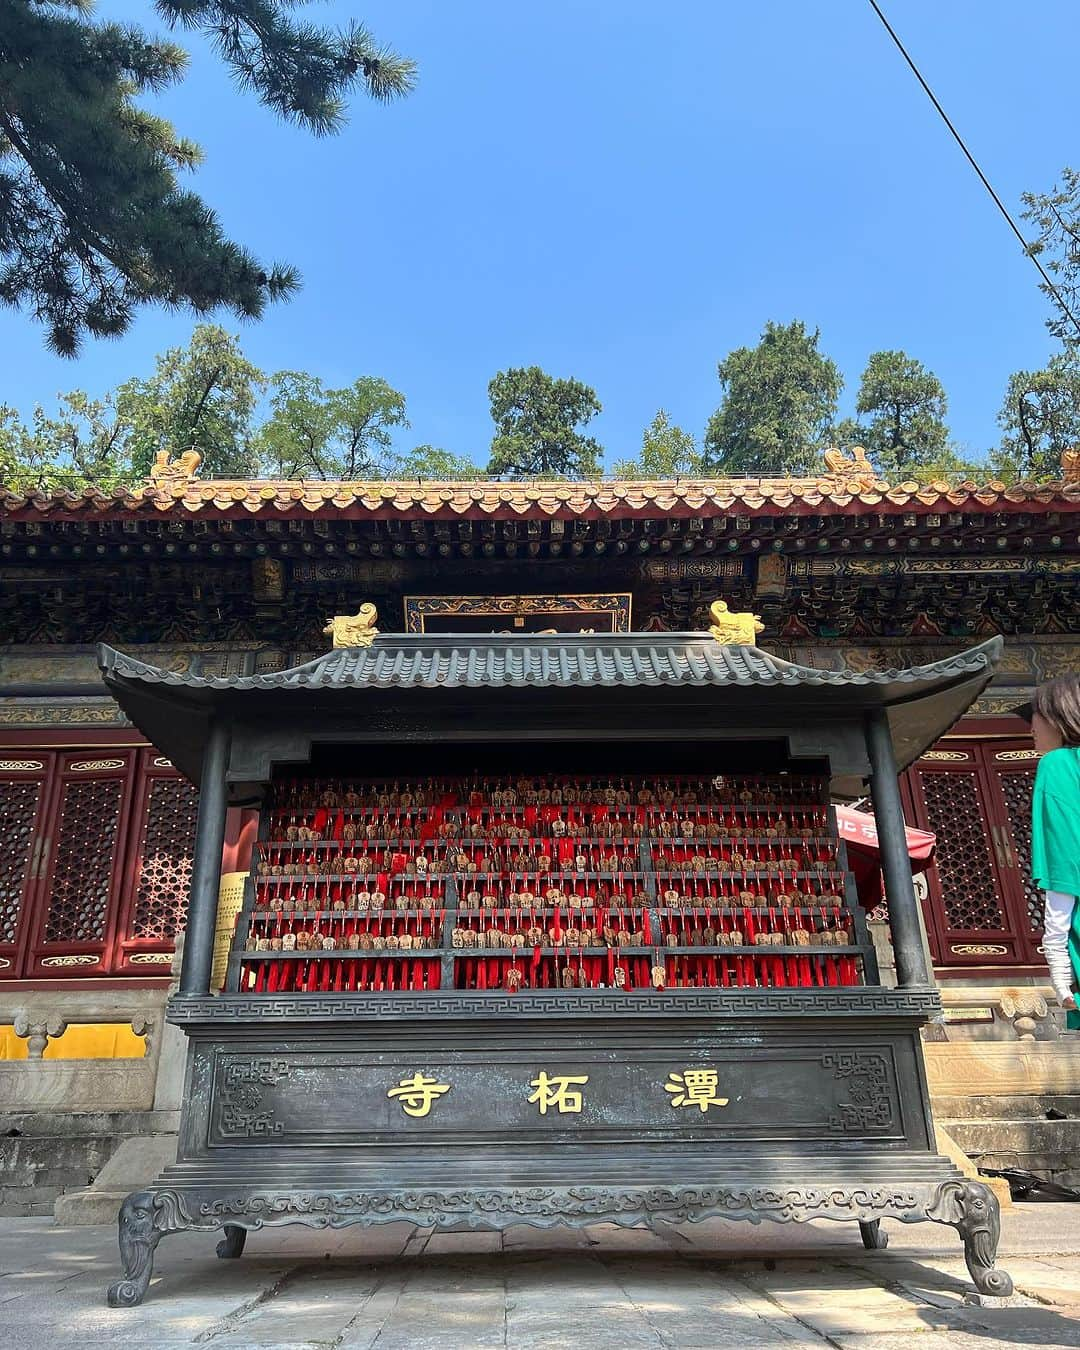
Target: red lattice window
<point>95,864</point>
<point>86,838</point>
<point>1016,789</point>
<point>965,857</point>
<point>23,788</point>
<point>18,811</point>
<point>983,908</point>
<point>164,874</point>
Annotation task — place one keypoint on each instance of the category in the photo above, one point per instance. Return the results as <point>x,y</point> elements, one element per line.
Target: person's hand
<point>1069,1003</point>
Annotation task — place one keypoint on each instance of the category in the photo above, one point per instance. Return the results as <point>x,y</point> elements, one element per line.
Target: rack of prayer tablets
<point>565,882</point>
<point>549,929</point>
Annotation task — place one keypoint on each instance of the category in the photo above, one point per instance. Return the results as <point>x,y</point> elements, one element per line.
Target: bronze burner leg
<point>139,1236</point>
<point>873,1238</point>
<point>971,1207</point>
<point>232,1244</point>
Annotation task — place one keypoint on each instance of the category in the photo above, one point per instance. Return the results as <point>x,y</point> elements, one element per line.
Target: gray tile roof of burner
<point>462,676</point>
<point>486,662</point>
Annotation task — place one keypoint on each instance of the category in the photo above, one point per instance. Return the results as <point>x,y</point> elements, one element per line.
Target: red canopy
<point>858,830</point>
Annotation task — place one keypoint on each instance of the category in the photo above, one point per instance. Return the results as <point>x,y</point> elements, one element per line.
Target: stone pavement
<point>707,1286</point>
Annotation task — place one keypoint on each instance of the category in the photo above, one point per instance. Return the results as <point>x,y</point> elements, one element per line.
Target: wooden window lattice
<point>85,850</point>
<point>965,859</point>
<point>1016,789</point>
<point>18,811</point>
<point>165,872</point>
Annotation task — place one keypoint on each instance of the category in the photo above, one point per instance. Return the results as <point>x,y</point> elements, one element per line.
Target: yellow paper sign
<point>230,903</point>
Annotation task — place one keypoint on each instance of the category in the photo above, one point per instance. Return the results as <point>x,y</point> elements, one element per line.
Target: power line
<point>974,164</point>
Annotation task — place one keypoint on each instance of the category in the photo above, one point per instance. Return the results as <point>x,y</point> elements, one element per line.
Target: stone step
<point>57,1124</point>
<point>1030,1136</point>
<point>134,1164</point>
<point>1004,1107</point>
<point>1046,1166</point>
<point>1049,1148</point>
<point>43,1155</point>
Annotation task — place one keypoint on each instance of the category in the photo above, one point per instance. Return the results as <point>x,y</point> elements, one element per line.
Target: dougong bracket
<point>972,1209</point>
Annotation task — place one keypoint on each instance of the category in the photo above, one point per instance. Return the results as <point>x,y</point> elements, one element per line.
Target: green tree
<point>428,462</point>
<point>904,405</point>
<point>200,397</point>
<point>778,405</point>
<point>1056,214</point>
<point>537,426</point>
<point>315,432</point>
<point>84,444</point>
<point>667,451</point>
<point>93,220</point>
<point>1040,419</point>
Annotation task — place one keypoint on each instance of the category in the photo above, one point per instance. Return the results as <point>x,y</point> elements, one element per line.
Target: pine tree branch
<point>1065,228</point>
<point>1024,431</point>
<point>210,382</point>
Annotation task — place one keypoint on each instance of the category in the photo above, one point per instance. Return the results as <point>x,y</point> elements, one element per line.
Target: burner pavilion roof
<point>634,674</point>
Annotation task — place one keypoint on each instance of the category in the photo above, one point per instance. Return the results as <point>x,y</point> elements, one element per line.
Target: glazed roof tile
<point>178,496</point>
<point>749,684</point>
<point>449,661</point>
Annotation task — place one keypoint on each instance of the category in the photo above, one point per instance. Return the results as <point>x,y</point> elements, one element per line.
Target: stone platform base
<point>135,1163</point>
<point>46,1155</point>
<point>992,1099</point>
<point>1003,1068</point>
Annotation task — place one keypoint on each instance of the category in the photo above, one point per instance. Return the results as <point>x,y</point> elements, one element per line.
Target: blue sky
<point>623,192</point>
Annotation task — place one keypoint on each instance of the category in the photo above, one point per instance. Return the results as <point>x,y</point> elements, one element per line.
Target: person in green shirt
<point>1055,831</point>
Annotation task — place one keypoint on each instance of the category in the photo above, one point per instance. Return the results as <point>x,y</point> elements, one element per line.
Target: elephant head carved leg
<point>145,1218</point>
<point>971,1207</point>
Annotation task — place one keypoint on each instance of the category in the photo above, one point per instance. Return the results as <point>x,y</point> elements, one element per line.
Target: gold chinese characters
<point>564,1093</point>
<point>695,1087</point>
<point>417,1093</point>
<point>556,1090</point>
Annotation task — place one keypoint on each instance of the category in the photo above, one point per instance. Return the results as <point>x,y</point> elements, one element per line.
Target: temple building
<point>220,579</point>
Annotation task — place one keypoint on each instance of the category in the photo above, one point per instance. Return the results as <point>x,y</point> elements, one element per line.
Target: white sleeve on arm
<point>1059,910</point>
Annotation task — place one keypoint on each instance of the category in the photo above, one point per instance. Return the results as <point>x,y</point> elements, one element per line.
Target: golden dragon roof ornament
<point>354,630</point>
<point>734,630</point>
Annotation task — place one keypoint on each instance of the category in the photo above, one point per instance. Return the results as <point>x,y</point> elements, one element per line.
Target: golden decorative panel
<point>605,613</point>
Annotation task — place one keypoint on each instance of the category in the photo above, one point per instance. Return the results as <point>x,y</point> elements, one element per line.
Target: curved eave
<point>182,499</point>
<point>464,661</point>
<point>922,702</point>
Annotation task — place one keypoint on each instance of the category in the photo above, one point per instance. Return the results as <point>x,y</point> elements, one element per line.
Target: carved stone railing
<point>91,1084</point>
<point>39,1028</point>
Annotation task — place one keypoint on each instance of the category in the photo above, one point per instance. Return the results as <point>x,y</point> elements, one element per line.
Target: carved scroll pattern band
<point>544,1205</point>
<point>770,1004</point>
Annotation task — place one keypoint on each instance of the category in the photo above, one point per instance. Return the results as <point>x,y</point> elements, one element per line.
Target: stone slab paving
<point>696,1287</point>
